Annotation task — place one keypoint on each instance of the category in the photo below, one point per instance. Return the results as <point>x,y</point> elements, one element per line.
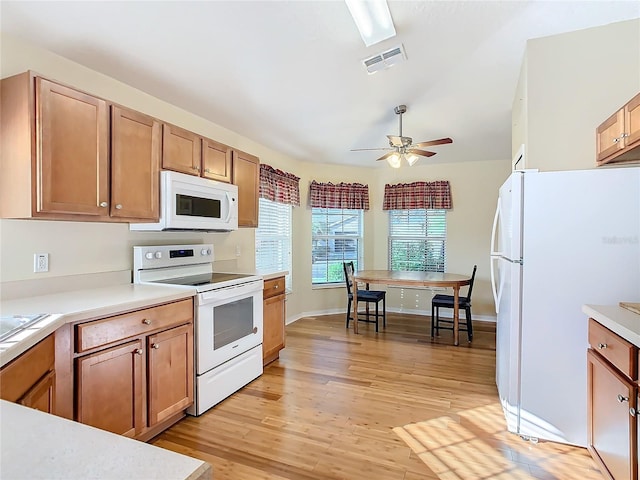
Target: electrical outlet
<point>40,262</point>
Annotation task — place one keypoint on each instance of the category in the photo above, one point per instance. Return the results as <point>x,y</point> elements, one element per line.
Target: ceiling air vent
<point>384,59</point>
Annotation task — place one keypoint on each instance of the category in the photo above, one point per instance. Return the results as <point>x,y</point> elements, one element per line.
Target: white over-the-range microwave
<point>188,202</point>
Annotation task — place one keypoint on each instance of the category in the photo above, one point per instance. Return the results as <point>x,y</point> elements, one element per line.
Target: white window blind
<point>273,238</point>
<point>417,240</point>
<point>336,237</point>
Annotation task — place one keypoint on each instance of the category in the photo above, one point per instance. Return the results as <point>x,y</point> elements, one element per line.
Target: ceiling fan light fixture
<point>394,160</point>
<point>373,19</point>
<point>411,159</point>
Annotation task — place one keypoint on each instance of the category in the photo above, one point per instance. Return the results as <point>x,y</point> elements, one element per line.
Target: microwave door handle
<point>229,200</point>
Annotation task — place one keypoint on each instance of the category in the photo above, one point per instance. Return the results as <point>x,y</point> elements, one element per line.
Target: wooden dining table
<point>412,279</point>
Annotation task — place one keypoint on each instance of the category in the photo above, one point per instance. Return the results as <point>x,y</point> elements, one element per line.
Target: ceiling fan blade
<point>363,149</point>
<point>430,143</point>
<point>424,153</point>
<point>385,156</point>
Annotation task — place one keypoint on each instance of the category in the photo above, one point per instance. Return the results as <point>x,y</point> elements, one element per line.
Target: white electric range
<point>227,316</point>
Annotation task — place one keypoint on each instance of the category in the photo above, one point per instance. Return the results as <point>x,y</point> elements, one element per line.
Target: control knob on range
<point>205,251</point>
<point>158,254</point>
<point>148,255</point>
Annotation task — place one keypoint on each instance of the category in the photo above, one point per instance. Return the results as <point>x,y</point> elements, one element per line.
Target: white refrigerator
<point>560,240</point>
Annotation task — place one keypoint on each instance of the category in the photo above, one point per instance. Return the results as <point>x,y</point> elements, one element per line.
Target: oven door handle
<point>230,294</point>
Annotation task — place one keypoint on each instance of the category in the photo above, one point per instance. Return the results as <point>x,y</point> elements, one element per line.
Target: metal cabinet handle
<point>118,206</point>
<point>602,346</point>
<point>103,204</point>
<point>277,286</point>
<point>624,135</point>
<point>155,345</point>
<point>138,351</point>
<point>633,412</point>
<point>146,321</point>
<point>616,140</point>
<point>622,399</point>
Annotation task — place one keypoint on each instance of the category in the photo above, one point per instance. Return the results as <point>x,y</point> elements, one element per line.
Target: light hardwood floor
<point>386,406</point>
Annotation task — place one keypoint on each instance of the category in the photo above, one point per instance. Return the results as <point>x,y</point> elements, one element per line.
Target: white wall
<point>77,247</point>
<point>574,82</point>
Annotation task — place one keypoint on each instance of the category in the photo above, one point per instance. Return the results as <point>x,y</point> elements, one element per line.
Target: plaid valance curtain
<point>409,196</point>
<point>279,186</point>
<point>343,195</point>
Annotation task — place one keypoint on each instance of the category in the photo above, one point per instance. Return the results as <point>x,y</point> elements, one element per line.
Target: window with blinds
<point>417,240</point>
<point>336,237</point>
<point>273,238</point>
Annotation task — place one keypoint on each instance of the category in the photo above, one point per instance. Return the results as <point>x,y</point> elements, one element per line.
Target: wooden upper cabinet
<point>181,150</point>
<point>216,161</point>
<point>618,137</point>
<point>135,165</point>
<point>246,175</point>
<point>73,158</point>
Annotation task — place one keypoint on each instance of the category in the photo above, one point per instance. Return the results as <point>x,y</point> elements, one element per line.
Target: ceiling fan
<point>403,147</point>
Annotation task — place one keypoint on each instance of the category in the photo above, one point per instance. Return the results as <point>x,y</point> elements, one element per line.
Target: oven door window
<point>232,321</point>
<point>198,206</point>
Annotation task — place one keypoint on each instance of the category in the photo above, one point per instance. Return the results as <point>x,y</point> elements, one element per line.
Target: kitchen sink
<point>9,326</point>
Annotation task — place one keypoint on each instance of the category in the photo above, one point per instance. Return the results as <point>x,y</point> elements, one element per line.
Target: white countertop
<point>80,305</point>
<point>37,445</point>
<point>619,320</point>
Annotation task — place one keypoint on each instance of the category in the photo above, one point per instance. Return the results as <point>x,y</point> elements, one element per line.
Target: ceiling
<point>288,74</point>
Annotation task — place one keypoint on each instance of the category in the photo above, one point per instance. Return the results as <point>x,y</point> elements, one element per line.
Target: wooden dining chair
<point>446,301</point>
<point>367,296</point>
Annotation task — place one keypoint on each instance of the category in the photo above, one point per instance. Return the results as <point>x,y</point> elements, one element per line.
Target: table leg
<point>355,308</point>
<point>456,316</point>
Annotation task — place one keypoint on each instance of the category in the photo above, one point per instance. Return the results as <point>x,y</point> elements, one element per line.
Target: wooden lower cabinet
<point>169,356</point>
<point>273,319</point>
<point>139,385</point>
<point>110,389</point>
<point>30,379</point>
<point>612,403</point>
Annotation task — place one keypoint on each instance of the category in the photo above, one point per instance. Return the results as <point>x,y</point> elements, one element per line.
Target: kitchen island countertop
<point>37,445</point>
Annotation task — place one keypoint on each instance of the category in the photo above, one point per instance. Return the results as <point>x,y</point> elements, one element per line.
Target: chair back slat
<point>473,277</point>
<point>348,275</point>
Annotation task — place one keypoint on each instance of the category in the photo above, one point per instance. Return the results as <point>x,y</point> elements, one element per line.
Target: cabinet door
<point>216,161</point>
<point>632,121</point>
<point>246,175</point>
<point>170,357</point>
<point>181,150</point>
<point>110,389</point>
<point>135,165</point>
<point>611,428</point>
<point>608,136</point>
<point>72,138</point>
<point>42,395</point>
<point>273,331</point>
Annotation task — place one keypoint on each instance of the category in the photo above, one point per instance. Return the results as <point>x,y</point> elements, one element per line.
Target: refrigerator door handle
<point>494,229</point>
<point>494,289</point>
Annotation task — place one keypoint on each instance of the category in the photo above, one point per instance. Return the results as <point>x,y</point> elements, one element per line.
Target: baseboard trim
<point>335,311</point>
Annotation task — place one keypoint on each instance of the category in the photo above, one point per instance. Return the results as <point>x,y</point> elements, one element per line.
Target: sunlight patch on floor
<point>478,447</point>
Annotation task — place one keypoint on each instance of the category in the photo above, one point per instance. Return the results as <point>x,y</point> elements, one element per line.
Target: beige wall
<point>574,82</point>
<point>77,247</point>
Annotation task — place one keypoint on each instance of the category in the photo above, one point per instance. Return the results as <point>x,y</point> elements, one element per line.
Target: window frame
<point>266,206</point>
<point>334,274</point>
<point>419,238</point>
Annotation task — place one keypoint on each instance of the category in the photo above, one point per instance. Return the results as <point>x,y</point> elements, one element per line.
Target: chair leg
<point>348,311</point>
<point>377,317</point>
<point>437,321</point>
<point>433,319</point>
<point>467,313</point>
<point>384,313</point>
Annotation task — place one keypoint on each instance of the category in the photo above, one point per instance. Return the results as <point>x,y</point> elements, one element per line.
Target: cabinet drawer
<point>615,349</point>
<point>273,287</point>
<point>112,329</point>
